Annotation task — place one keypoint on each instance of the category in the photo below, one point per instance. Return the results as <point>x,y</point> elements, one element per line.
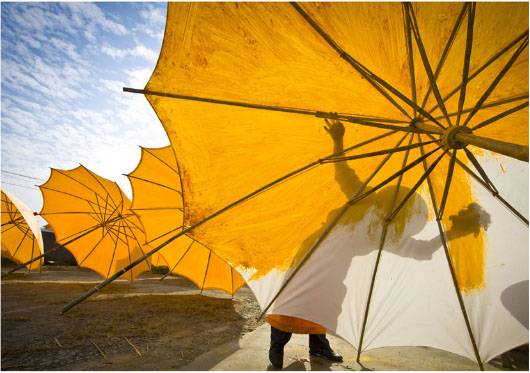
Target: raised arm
<point>346,177</point>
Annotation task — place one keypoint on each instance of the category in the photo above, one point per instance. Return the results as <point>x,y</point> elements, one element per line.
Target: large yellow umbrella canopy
<point>91,217</point>
<point>390,231</point>
<point>158,201</point>
<point>21,235</point>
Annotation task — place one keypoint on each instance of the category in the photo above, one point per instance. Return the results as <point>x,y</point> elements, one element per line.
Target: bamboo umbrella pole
<point>458,134</point>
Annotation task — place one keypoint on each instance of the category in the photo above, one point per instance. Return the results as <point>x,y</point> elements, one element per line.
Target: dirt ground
<point>147,325</point>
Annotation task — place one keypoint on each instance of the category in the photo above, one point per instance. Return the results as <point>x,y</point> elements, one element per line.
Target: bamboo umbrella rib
<point>496,81</point>
<point>132,235</point>
<point>14,221</point>
<point>467,59</point>
<point>180,259</point>
<point>104,210</point>
<point>165,234</point>
<point>21,241</point>
<point>135,238</point>
<point>379,252</point>
<point>68,194</point>
<point>206,271</point>
<point>423,54</point>
<point>232,281</point>
<point>480,170</point>
<point>156,208</point>
<point>380,152</point>
<point>484,66</point>
<point>495,118</point>
<point>410,53</point>
<point>495,193</point>
<point>451,268</point>
<point>91,213</point>
<point>319,114</point>
<point>445,53</point>
<point>329,228</point>
<point>492,104</point>
<point>98,207</point>
<point>113,255</point>
<point>365,72</point>
<point>368,75</point>
<point>105,232</point>
<point>415,187</point>
<point>77,181</point>
<point>32,250</point>
<point>114,230</point>
<point>161,160</point>
<point>9,228</point>
<point>448,180</point>
<point>395,175</point>
<point>104,187</point>
<point>130,260</point>
<point>154,183</point>
<point>130,221</point>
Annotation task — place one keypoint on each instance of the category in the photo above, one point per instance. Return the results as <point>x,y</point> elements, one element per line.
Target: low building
<point>54,253</point>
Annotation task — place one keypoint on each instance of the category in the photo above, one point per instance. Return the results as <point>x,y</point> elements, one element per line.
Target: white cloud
<point>139,50</point>
<point>153,15</point>
<point>62,100</point>
<point>91,13</point>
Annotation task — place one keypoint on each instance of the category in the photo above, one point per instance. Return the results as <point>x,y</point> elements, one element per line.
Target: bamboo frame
<point>378,258</point>
<point>450,264</point>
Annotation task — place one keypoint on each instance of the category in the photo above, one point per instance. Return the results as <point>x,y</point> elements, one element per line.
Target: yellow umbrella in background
<point>21,235</point>
<point>157,200</point>
<point>91,217</point>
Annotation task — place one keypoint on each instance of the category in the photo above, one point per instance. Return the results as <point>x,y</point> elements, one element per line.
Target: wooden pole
<point>460,135</point>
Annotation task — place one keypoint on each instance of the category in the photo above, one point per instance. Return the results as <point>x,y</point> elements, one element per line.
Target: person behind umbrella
<point>282,327</point>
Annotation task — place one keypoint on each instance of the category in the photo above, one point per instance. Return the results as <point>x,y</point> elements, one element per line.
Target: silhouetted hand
<point>335,128</point>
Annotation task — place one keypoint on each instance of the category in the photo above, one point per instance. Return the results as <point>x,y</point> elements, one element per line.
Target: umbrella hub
<point>449,140</point>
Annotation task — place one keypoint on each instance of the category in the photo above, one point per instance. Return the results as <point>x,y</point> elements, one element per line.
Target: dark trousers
<point>280,338</point>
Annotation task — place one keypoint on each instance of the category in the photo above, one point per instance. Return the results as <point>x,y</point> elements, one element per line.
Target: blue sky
<point>63,69</point>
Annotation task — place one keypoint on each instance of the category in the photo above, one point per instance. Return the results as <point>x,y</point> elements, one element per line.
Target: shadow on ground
<point>116,330</point>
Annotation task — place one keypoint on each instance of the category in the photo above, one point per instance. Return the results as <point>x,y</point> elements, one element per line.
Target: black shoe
<point>327,353</point>
<point>276,356</point>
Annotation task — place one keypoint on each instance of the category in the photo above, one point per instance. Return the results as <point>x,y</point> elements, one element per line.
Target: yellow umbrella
<point>21,235</point>
<point>157,200</point>
<point>328,224</point>
<point>91,217</point>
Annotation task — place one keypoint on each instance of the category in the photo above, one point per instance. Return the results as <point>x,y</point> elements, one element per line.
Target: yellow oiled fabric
<point>327,57</point>
<point>269,54</point>
<point>157,200</point>
<point>91,216</point>
<point>21,236</point>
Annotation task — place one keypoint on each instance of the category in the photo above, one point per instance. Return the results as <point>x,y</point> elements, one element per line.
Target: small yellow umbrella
<point>157,200</point>
<point>91,216</point>
<point>21,235</point>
